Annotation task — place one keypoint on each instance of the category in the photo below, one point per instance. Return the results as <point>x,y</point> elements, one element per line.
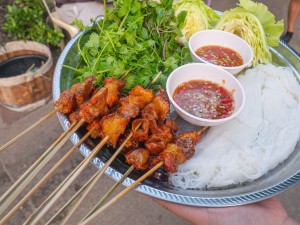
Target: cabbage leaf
<point>196,16</point>
<point>256,25</point>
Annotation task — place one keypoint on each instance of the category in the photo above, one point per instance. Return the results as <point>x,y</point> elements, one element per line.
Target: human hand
<point>266,212</point>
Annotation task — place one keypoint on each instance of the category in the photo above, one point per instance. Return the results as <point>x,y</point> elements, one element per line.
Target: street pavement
<point>133,209</point>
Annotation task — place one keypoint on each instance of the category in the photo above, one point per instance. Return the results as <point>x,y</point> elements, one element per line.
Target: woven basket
<point>29,89</point>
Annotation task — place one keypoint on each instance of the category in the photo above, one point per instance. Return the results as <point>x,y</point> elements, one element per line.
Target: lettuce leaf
<point>256,25</point>
<point>193,16</point>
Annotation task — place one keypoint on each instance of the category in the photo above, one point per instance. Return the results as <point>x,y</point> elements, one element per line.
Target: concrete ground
<point>133,209</point>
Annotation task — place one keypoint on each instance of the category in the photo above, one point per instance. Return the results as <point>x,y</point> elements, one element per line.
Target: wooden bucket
<point>30,88</point>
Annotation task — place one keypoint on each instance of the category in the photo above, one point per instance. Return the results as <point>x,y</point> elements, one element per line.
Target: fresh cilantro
<point>135,36</point>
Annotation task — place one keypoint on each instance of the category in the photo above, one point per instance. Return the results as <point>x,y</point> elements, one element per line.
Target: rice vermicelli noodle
<point>263,135</point>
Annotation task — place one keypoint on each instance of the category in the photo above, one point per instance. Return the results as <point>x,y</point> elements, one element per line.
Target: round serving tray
<point>284,176</point>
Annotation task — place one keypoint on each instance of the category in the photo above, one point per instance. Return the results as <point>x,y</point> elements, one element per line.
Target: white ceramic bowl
<point>225,39</point>
<point>201,71</point>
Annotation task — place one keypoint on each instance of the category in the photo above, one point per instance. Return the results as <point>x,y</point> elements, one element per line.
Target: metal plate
<point>284,176</point>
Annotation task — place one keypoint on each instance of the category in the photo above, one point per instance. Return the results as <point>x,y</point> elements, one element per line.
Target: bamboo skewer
<point>115,186</point>
<point>122,193</point>
<point>37,215</point>
<point>202,130</point>
<point>23,181</point>
<point>51,195</point>
<point>53,169</point>
<point>99,174</point>
<point>27,130</point>
<point>71,199</point>
<point>106,196</point>
<point>12,193</point>
<point>155,78</point>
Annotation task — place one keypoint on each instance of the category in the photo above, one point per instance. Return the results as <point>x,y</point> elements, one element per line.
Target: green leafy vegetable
<point>193,16</point>
<point>136,37</point>
<point>256,25</point>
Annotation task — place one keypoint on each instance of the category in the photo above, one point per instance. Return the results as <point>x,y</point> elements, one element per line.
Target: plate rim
<point>234,200</point>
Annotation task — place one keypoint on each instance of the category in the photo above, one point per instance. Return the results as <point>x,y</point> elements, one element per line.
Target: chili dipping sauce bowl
<point>222,39</point>
<point>205,72</point>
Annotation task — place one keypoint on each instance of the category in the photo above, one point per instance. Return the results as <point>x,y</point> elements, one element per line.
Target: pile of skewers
<point>136,122</point>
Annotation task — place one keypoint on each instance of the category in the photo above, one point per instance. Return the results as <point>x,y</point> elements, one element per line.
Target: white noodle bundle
<point>262,136</point>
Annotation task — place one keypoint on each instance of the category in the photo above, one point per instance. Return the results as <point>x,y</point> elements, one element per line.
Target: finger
<point>189,213</point>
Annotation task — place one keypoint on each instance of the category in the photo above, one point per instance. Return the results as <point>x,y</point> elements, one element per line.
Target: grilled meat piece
<point>139,158</point>
<point>66,102</point>
<point>140,129</point>
<point>113,126</point>
<point>95,125</point>
<point>95,107</point>
<point>137,99</point>
<point>72,98</point>
<point>187,141</point>
<point>162,102</point>
<point>83,90</point>
<point>172,156</point>
<point>114,86</point>
<point>158,141</point>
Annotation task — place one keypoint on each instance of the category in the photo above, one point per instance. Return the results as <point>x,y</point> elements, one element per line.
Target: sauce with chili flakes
<point>204,99</point>
<point>220,55</point>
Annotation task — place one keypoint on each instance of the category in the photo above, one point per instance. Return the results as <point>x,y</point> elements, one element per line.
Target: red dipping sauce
<point>220,55</point>
<point>204,99</point>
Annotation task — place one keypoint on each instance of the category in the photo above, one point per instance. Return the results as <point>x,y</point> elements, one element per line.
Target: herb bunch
<point>135,37</point>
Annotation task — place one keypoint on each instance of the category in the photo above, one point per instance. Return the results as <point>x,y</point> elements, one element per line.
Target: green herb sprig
<point>136,37</point>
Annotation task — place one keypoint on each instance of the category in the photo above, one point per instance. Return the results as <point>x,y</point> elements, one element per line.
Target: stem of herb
<point>137,20</point>
<point>79,50</point>
<point>124,19</point>
<point>72,68</point>
<point>99,57</point>
<point>111,41</point>
<point>164,48</point>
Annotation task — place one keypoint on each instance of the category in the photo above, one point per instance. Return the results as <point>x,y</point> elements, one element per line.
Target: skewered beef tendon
<point>158,141</point>
<point>114,86</point>
<point>172,156</point>
<point>162,134</point>
<point>96,106</point>
<point>113,125</point>
<point>152,110</point>
<point>157,110</point>
<point>172,124</point>
<point>178,152</point>
<point>155,144</point>
<point>139,158</point>
<point>137,99</point>
<point>187,141</point>
<point>140,129</point>
<point>74,97</point>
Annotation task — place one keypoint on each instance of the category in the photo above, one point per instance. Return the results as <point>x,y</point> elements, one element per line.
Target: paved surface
<point>133,209</point>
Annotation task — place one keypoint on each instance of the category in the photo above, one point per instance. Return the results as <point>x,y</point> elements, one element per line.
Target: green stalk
<point>79,50</point>
<point>72,68</point>
<point>111,41</point>
<point>99,57</point>
<point>124,19</point>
